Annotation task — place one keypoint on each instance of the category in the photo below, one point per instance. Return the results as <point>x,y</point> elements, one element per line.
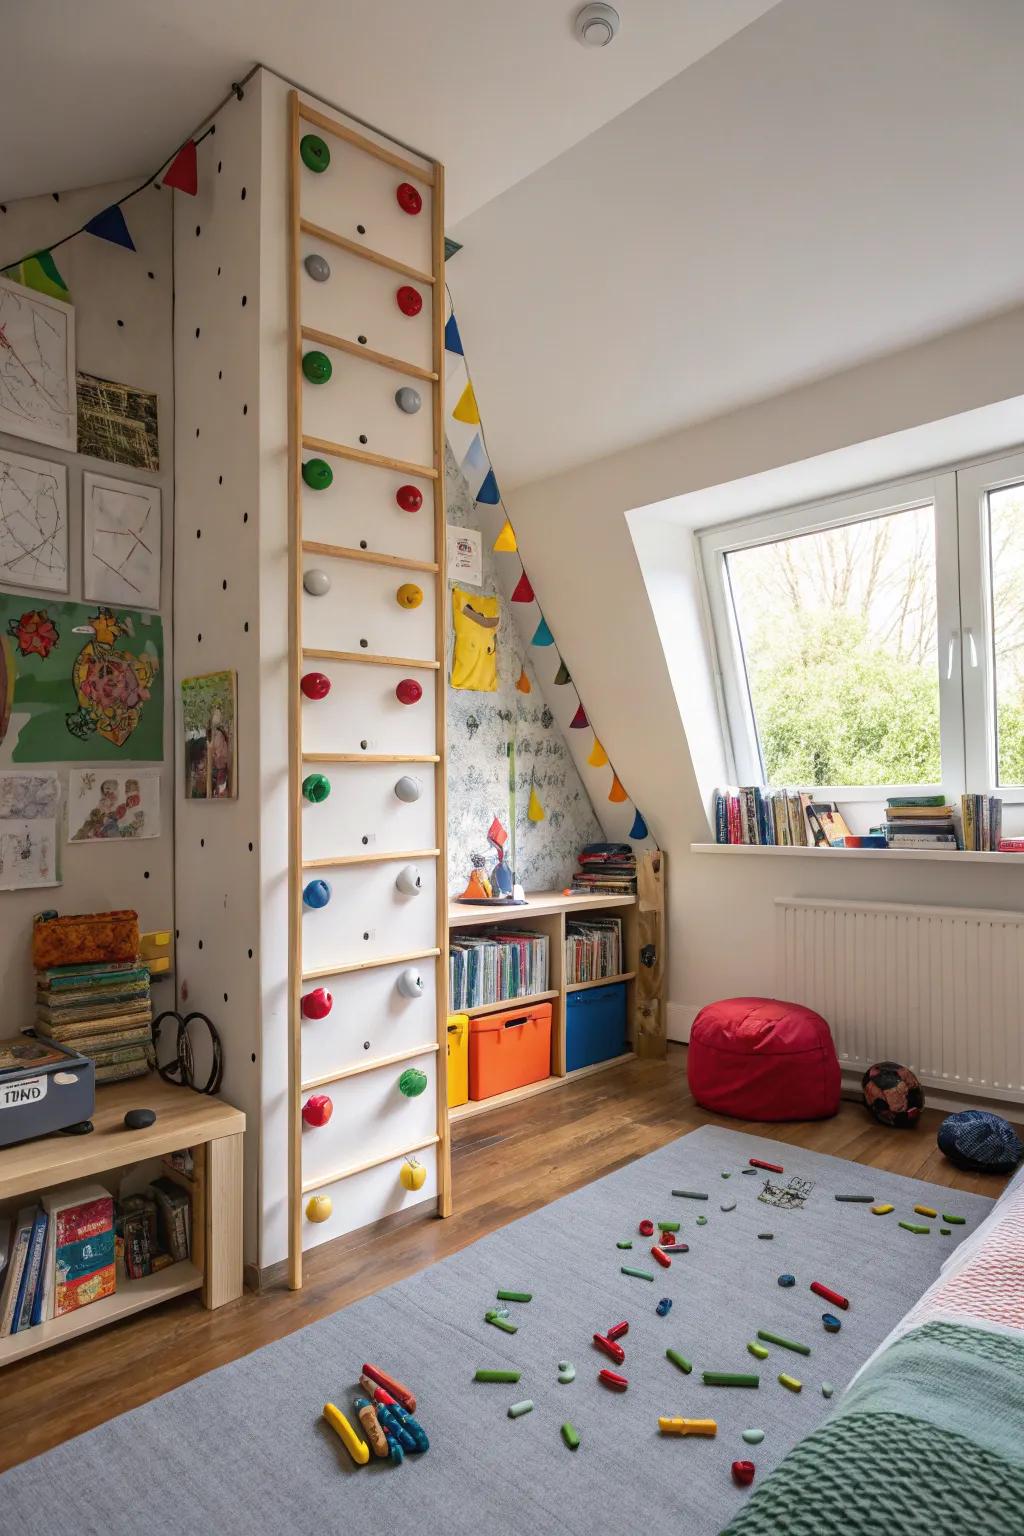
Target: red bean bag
<point>761,1059</point>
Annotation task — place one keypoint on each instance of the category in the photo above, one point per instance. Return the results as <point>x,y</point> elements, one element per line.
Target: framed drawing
<point>208,708</point>
<point>37,367</point>
<point>33,523</point>
<point>121,541</point>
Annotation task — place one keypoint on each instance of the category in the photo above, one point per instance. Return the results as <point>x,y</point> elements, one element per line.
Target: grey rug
<point>244,1449</point>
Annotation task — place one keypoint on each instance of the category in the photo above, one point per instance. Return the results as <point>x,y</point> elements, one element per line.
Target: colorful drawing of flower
<point>35,632</point>
<point>111,686</point>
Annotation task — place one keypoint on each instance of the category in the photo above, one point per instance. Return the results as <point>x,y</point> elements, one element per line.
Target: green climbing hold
<point>500,1322</point>
<point>317,474</point>
<point>946,1231</point>
<point>570,1437</point>
<point>689,1194</point>
<point>730,1379</point>
<point>316,367</point>
<point>702,1221</point>
<point>954,1221</point>
<point>626,1244</point>
<point>316,787</point>
<point>496,1376</point>
<point>667,1226</point>
<point>518,1409</point>
<point>315,154</point>
<point>412,1083</point>
<point>758,1351</point>
<point>776,1338</point>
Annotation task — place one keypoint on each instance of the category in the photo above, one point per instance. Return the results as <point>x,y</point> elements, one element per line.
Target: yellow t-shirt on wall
<point>474,655</point>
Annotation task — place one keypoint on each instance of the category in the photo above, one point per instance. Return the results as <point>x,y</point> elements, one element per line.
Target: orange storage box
<point>509,1049</point>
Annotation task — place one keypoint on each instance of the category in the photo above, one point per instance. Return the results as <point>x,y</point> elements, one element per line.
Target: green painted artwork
<point>79,683</point>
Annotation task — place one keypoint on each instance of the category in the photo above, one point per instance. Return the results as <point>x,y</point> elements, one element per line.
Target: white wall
<point>123,306</point>
<point>574,534</point>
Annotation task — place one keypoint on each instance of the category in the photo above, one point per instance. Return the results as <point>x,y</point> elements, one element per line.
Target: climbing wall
<point>368,922</point>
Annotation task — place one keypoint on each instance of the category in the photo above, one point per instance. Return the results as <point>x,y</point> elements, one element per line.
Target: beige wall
<point>582,562</point>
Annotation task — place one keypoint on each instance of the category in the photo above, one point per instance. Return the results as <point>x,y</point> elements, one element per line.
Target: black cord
<point>180,1070</point>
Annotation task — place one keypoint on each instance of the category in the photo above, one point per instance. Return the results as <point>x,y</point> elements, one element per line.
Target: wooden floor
<point>505,1164</point>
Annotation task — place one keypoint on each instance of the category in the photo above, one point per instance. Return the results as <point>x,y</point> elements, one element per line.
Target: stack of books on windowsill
<point>921,821</point>
<point>982,817</point>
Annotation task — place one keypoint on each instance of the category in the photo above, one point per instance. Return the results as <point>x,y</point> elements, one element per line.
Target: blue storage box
<point>595,1025</point>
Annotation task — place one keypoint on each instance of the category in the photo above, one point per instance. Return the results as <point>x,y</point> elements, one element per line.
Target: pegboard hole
<point>220,373</point>
<point>243,194</point>
<point>197,431</point>
<point>363,644</point>
<point>224,585</point>
<point>360,229</point>
<point>363,544</point>
<point>197,333</point>
<point>254,1056</point>
<point>245,627</point>
<point>245,517</point>
<point>220,479</point>
<point>121,324</point>
<point>364,841</point>
<point>361,340</point>
<point>220,167</point>
<point>200,943</point>
<point>362,438</point>
<point>245,300</point>
<point>250,954</point>
<point>365,936</point>
<point>245,410</point>
<point>151,276</point>
<point>202,842</point>
<point>199,639</point>
<point>198,230</point>
<point>363,745</point>
<point>199,533</point>
<point>225,997</point>
<point>250,847</point>
<point>219,270</point>
<point>366,1045</point>
<point>145,874</point>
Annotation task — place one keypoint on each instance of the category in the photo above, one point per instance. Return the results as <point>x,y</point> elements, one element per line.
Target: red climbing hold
<point>316,685</point>
<point>409,300</point>
<point>408,691</point>
<point>409,200</point>
<point>409,498</point>
<point>317,1004</point>
<point>318,1109</point>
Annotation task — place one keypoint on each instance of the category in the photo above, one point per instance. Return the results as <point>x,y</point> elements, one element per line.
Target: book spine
<point>31,1306</point>
<point>12,1279</point>
<point>721,818</point>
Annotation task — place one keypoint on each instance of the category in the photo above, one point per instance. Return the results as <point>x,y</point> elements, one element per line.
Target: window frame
<point>715,543</point>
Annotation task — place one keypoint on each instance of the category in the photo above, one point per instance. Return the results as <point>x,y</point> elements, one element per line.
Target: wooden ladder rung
<point>318,232</point>
<point>371,858</point>
<point>370,1066</point>
<point>310,653</point>
<point>373,1162</point>
<point>320,120</point>
<point>363,456</point>
<point>342,344</point>
<point>370,965</point>
<point>371,757</point>
<point>368,557</point>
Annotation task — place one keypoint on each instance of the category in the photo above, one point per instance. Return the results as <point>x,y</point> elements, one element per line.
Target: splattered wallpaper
<point>479,728</point>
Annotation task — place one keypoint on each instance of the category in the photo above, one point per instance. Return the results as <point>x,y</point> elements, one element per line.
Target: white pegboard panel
<point>370,1018</point>
<point>368,1196</point>
<point>362,814</point>
<point>362,611</point>
<point>217,597</point>
<point>367,916</point>
<point>358,510</point>
<point>362,713</point>
<point>356,407</point>
<point>355,197</point>
<point>359,301</point>
<point>371,1116</point>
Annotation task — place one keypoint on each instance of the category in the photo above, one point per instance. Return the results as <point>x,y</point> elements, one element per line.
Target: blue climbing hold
<point>832,1323</point>
<point>787,1280</point>
<point>317,893</point>
<point>664,1306</point>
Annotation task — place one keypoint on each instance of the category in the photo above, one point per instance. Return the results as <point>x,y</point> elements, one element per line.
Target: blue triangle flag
<point>639,827</point>
<point>543,635</point>
<point>452,339</point>
<point>110,225</point>
<point>488,492</point>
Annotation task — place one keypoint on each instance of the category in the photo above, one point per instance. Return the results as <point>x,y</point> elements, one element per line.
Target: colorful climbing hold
<point>317,474</point>
<point>411,1084</point>
<point>500,1322</point>
<point>661,1257</point>
<point>353,1443</point>
<point>790,1381</point>
<point>686,1366</point>
<point>316,894</point>
<point>688,1426</point>
<point>314,152</point>
<point>317,1004</point>
<point>743,1473</point>
<point>316,582</point>
<point>566,1372</point>
<point>319,1207</point>
<point>637,1274</point>
<point>910,1226</point>
<point>409,595</point>
<point>757,1350</point>
<point>831,1322</point>
<point>316,367</point>
<point>753,1436</point>
<point>756,1162</point>
<point>408,399</point>
<point>829,1295</point>
<point>522,1296</point>
<point>408,691</point>
<point>882,1210</point>
<point>408,198</point>
<point>925,1210</point>
<point>626,1244</point>
<point>617,1330</point>
<point>668,1226</point>
<point>570,1437</point>
<point>316,787</point>
<point>318,1109</point>
<point>954,1221</point>
<point>315,685</point>
<point>730,1379</point>
<point>409,299</point>
<point>409,498</point>
<point>497,1376</point>
<point>318,267</point>
<point>946,1231</point>
<point>702,1221</point>
<point>611,1349</point>
<point>664,1306</point>
<point>614,1380</point>
<point>776,1338</point>
<point>646,1228</point>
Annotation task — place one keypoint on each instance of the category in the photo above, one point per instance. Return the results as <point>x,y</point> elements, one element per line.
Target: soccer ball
<point>892,1093</point>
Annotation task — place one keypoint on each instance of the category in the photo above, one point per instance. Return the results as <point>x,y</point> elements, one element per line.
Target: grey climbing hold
<point>316,582</point>
<point>408,399</point>
<point>318,267</point>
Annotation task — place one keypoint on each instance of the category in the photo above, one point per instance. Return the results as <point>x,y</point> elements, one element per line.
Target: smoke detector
<point>597,25</point>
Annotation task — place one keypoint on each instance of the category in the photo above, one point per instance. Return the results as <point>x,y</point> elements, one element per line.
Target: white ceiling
<point>838,180</point>
<point>103,89</point>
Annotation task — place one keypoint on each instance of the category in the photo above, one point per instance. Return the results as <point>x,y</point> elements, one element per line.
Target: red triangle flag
<point>579,720</point>
<point>183,172</point>
<point>523,592</point>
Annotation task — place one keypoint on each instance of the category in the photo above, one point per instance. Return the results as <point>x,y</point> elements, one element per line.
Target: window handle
<point>949,655</point>
<point>974,649</point>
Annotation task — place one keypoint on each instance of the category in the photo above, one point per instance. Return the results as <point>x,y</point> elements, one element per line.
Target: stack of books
<point>770,818</point>
<point>103,1012</point>
<point>60,1257</point>
<point>593,949</point>
<point>155,1228</point>
<point>982,817</point>
<point>496,965</point>
<point>920,821</point>
<point>606,869</point>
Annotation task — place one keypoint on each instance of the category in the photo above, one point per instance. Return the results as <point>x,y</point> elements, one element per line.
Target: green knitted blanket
<point>930,1440</point>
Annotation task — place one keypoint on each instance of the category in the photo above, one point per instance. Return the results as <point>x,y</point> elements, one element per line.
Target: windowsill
<point>958,855</point>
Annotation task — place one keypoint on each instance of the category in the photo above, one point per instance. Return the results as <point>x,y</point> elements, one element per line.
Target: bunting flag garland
<point>183,174</point>
<point>40,273</point>
<point>468,445</point>
<point>111,225</point>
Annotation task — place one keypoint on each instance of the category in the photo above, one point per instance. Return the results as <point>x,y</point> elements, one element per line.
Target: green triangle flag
<point>562,675</point>
<point>40,273</point>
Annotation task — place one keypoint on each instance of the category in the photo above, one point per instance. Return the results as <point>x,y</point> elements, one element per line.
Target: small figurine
<point>502,878</point>
<point>478,887</point>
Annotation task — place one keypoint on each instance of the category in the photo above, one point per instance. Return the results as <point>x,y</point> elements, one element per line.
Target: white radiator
<point>940,989</point>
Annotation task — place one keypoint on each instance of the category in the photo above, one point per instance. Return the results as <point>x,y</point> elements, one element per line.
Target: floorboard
<point>505,1164</point>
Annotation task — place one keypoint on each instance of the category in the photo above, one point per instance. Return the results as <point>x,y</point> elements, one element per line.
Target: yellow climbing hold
<point>598,756</point>
<point>467,409</point>
<point>505,543</point>
<point>882,1210</point>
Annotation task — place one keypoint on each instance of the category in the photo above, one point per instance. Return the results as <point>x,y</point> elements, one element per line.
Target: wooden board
<point>650,1038</point>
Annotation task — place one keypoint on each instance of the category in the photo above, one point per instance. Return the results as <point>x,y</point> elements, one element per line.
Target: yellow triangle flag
<point>617,793</point>
<point>505,543</point>
<point>598,756</point>
<point>467,408</point>
<point>524,684</point>
<point>535,811</point>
